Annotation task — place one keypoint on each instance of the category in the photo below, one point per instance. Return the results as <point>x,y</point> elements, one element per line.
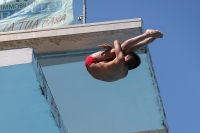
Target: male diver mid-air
<point>113,63</point>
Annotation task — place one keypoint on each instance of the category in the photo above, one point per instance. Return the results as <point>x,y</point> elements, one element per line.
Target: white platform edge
<point>70,30</point>
<point>15,56</point>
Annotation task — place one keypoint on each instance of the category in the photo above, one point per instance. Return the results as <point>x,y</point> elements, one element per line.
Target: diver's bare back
<point>108,71</point>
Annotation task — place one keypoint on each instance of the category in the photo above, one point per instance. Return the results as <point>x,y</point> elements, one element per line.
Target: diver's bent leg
<point>128,46</point>
<point>133,41</point>
<point>133,44</point>
<point>107,55</point>
<point>139,45</point>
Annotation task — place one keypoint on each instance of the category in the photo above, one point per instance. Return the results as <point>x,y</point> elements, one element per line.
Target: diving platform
<point>48,64</point>
<point>72,38</point>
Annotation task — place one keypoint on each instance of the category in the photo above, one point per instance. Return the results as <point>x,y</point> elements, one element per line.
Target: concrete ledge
<point>72,38</point>
<point>71,29</point>
<point>15,57</point>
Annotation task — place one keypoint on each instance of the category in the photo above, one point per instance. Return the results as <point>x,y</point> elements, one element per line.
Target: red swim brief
<point>89,60</point>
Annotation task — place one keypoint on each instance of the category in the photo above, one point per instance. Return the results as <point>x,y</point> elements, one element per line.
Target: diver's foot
<point>154,33</point>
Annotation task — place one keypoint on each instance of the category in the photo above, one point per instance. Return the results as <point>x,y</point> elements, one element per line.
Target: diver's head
<point>132,60</point>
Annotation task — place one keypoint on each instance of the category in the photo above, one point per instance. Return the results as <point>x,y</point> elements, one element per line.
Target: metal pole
<point>84,11</point>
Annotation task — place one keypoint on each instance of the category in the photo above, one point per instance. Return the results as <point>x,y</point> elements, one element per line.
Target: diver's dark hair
<point>134,61</point>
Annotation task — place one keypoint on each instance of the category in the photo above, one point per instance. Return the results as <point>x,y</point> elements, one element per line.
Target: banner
<point>35,14</point>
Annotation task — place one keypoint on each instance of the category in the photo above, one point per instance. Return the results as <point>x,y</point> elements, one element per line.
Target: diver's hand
<point>106,46</point>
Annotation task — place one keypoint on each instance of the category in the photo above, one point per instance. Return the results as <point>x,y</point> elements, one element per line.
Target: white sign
<point>34,14</point>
